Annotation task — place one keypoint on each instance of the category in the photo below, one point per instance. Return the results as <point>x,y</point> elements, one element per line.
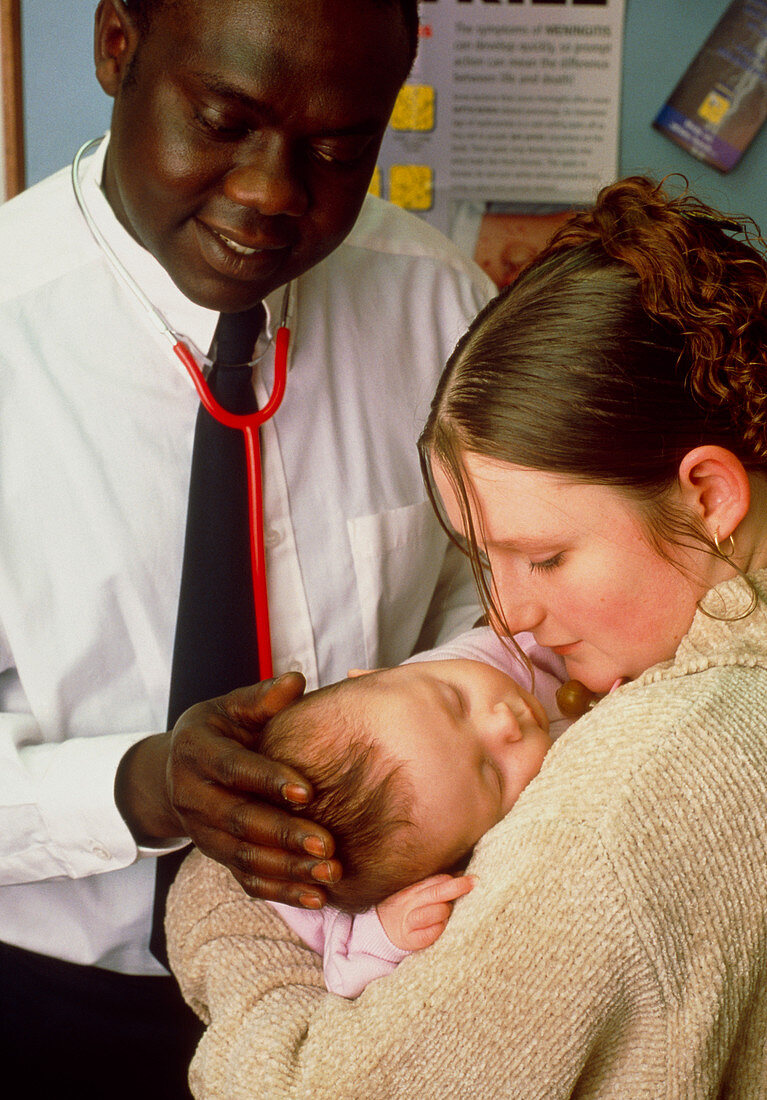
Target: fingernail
<point>315,846</point>
<point>310,901</point>
<point>323,872</point>
<point>291,792</point>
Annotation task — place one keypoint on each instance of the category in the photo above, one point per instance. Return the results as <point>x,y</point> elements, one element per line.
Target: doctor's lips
<point>244,245</point>
<point>241,248</point>
<point>248,250</point>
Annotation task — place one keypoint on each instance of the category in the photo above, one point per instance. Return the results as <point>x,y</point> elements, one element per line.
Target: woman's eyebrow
<point>525,543</point>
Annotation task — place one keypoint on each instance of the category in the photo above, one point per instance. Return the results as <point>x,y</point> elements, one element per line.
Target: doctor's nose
<point>268,181</point>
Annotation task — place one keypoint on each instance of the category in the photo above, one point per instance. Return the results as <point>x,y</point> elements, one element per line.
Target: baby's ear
<point>353,672</point>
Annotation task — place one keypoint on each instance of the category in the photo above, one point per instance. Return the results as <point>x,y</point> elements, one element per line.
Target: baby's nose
<point>503,723</point>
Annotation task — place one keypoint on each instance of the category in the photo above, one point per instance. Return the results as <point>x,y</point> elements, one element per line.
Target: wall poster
<point>510,115</point>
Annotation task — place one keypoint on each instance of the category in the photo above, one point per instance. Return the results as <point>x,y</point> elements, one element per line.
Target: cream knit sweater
<point>615,946</point>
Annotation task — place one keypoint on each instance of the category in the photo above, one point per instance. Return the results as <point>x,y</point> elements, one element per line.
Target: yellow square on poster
<point>414,108</point>
<point>374,188</point>
<point>714,107</point>
<point>411,186</point>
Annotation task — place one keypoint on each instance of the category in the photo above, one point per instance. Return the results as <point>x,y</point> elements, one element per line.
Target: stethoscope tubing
<point>247,423</point>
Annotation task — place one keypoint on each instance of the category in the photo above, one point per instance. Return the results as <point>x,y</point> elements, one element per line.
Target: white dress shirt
<point>96,426</point>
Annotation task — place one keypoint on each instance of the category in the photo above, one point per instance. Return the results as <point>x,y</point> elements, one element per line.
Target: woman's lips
<point>564,650</point>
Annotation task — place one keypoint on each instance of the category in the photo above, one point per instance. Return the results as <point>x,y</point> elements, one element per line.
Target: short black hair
<point>143,10</point>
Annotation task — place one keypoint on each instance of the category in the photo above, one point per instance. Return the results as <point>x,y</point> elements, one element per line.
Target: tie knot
<point>236,335</point>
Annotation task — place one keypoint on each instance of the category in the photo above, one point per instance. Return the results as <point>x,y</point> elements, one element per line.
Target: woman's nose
<point>520,615</point>
<point>268,181</point>
<point>519,607</point>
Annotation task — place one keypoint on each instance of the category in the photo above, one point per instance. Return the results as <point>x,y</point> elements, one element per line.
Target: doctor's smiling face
<point>244,132</point>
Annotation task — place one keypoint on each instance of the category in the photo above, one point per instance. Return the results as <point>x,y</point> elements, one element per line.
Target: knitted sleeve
<point>426,1030</point>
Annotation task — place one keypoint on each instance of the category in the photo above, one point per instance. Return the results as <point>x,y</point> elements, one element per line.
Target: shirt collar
<point>184,316</point>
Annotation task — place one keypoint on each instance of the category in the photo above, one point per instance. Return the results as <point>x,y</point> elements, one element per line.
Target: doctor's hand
<point>206,780</point>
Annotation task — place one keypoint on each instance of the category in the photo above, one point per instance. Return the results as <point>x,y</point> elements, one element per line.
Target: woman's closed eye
<point>547,564</point>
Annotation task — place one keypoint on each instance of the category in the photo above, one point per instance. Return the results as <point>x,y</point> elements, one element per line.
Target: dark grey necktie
<point>215,647</point>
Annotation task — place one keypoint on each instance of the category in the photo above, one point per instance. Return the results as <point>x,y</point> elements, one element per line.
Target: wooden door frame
<point>11,79</point>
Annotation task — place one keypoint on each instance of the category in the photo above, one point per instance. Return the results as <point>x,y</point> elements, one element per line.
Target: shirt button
<point>272,538</point>
<point>100,852</point>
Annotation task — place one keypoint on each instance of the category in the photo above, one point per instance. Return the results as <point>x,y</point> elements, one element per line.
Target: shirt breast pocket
<point>397,559</point>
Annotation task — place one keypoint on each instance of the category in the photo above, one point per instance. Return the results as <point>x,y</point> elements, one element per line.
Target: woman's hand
<point>206,780</point>
<point>417,916</point>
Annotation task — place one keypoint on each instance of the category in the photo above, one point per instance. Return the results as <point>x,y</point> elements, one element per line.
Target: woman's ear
<point>115,38</point>
<point>715,486</point>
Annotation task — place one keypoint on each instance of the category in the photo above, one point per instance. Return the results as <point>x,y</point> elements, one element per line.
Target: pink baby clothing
<point>355,950</point>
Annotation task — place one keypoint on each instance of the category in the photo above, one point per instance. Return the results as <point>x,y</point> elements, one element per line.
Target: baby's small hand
<point>415,917</point>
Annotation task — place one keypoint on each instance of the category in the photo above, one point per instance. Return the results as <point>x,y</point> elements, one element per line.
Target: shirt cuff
<point>86,834</point>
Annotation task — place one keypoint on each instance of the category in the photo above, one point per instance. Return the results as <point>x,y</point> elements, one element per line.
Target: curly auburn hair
<point>698,278</point>
<point>639,333</point>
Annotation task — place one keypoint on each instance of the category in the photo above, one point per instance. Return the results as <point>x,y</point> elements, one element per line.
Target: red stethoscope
<point>247,423</point>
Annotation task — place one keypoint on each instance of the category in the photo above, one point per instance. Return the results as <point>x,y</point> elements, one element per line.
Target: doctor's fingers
<point>272,873</point>
<point>204,750</point>
<point>204,806</point>
<point>243,713</point>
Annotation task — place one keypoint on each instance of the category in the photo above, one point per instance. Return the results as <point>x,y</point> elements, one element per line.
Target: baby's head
<point>410,767</point>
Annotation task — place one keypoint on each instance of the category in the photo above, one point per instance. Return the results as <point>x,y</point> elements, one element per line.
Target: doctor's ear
<point>115,38</point>
<point>715,486</point>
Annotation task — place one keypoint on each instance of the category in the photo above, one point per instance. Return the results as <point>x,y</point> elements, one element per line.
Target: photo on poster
<point>504,237</point>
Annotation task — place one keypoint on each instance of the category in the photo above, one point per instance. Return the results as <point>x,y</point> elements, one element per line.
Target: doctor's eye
<point>342,151</point>
<point>217,125</point>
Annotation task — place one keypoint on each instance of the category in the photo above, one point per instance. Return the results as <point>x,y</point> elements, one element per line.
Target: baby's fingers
<point>440,888</point>
<point>435,911</point>
<point>419,938</point>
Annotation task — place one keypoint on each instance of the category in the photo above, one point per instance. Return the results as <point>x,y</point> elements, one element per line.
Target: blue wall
<point>64,105</point>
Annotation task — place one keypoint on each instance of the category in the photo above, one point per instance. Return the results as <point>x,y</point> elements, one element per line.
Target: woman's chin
<point>598,680</point>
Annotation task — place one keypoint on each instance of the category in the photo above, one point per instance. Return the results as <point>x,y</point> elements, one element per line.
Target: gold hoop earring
<point>720,547</point>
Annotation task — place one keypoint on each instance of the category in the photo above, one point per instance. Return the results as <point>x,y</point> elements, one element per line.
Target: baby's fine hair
<point>638,334</point>
<point>360,796</point>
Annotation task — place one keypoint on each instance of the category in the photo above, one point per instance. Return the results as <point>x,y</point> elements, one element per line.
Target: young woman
<point>598,440</point>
